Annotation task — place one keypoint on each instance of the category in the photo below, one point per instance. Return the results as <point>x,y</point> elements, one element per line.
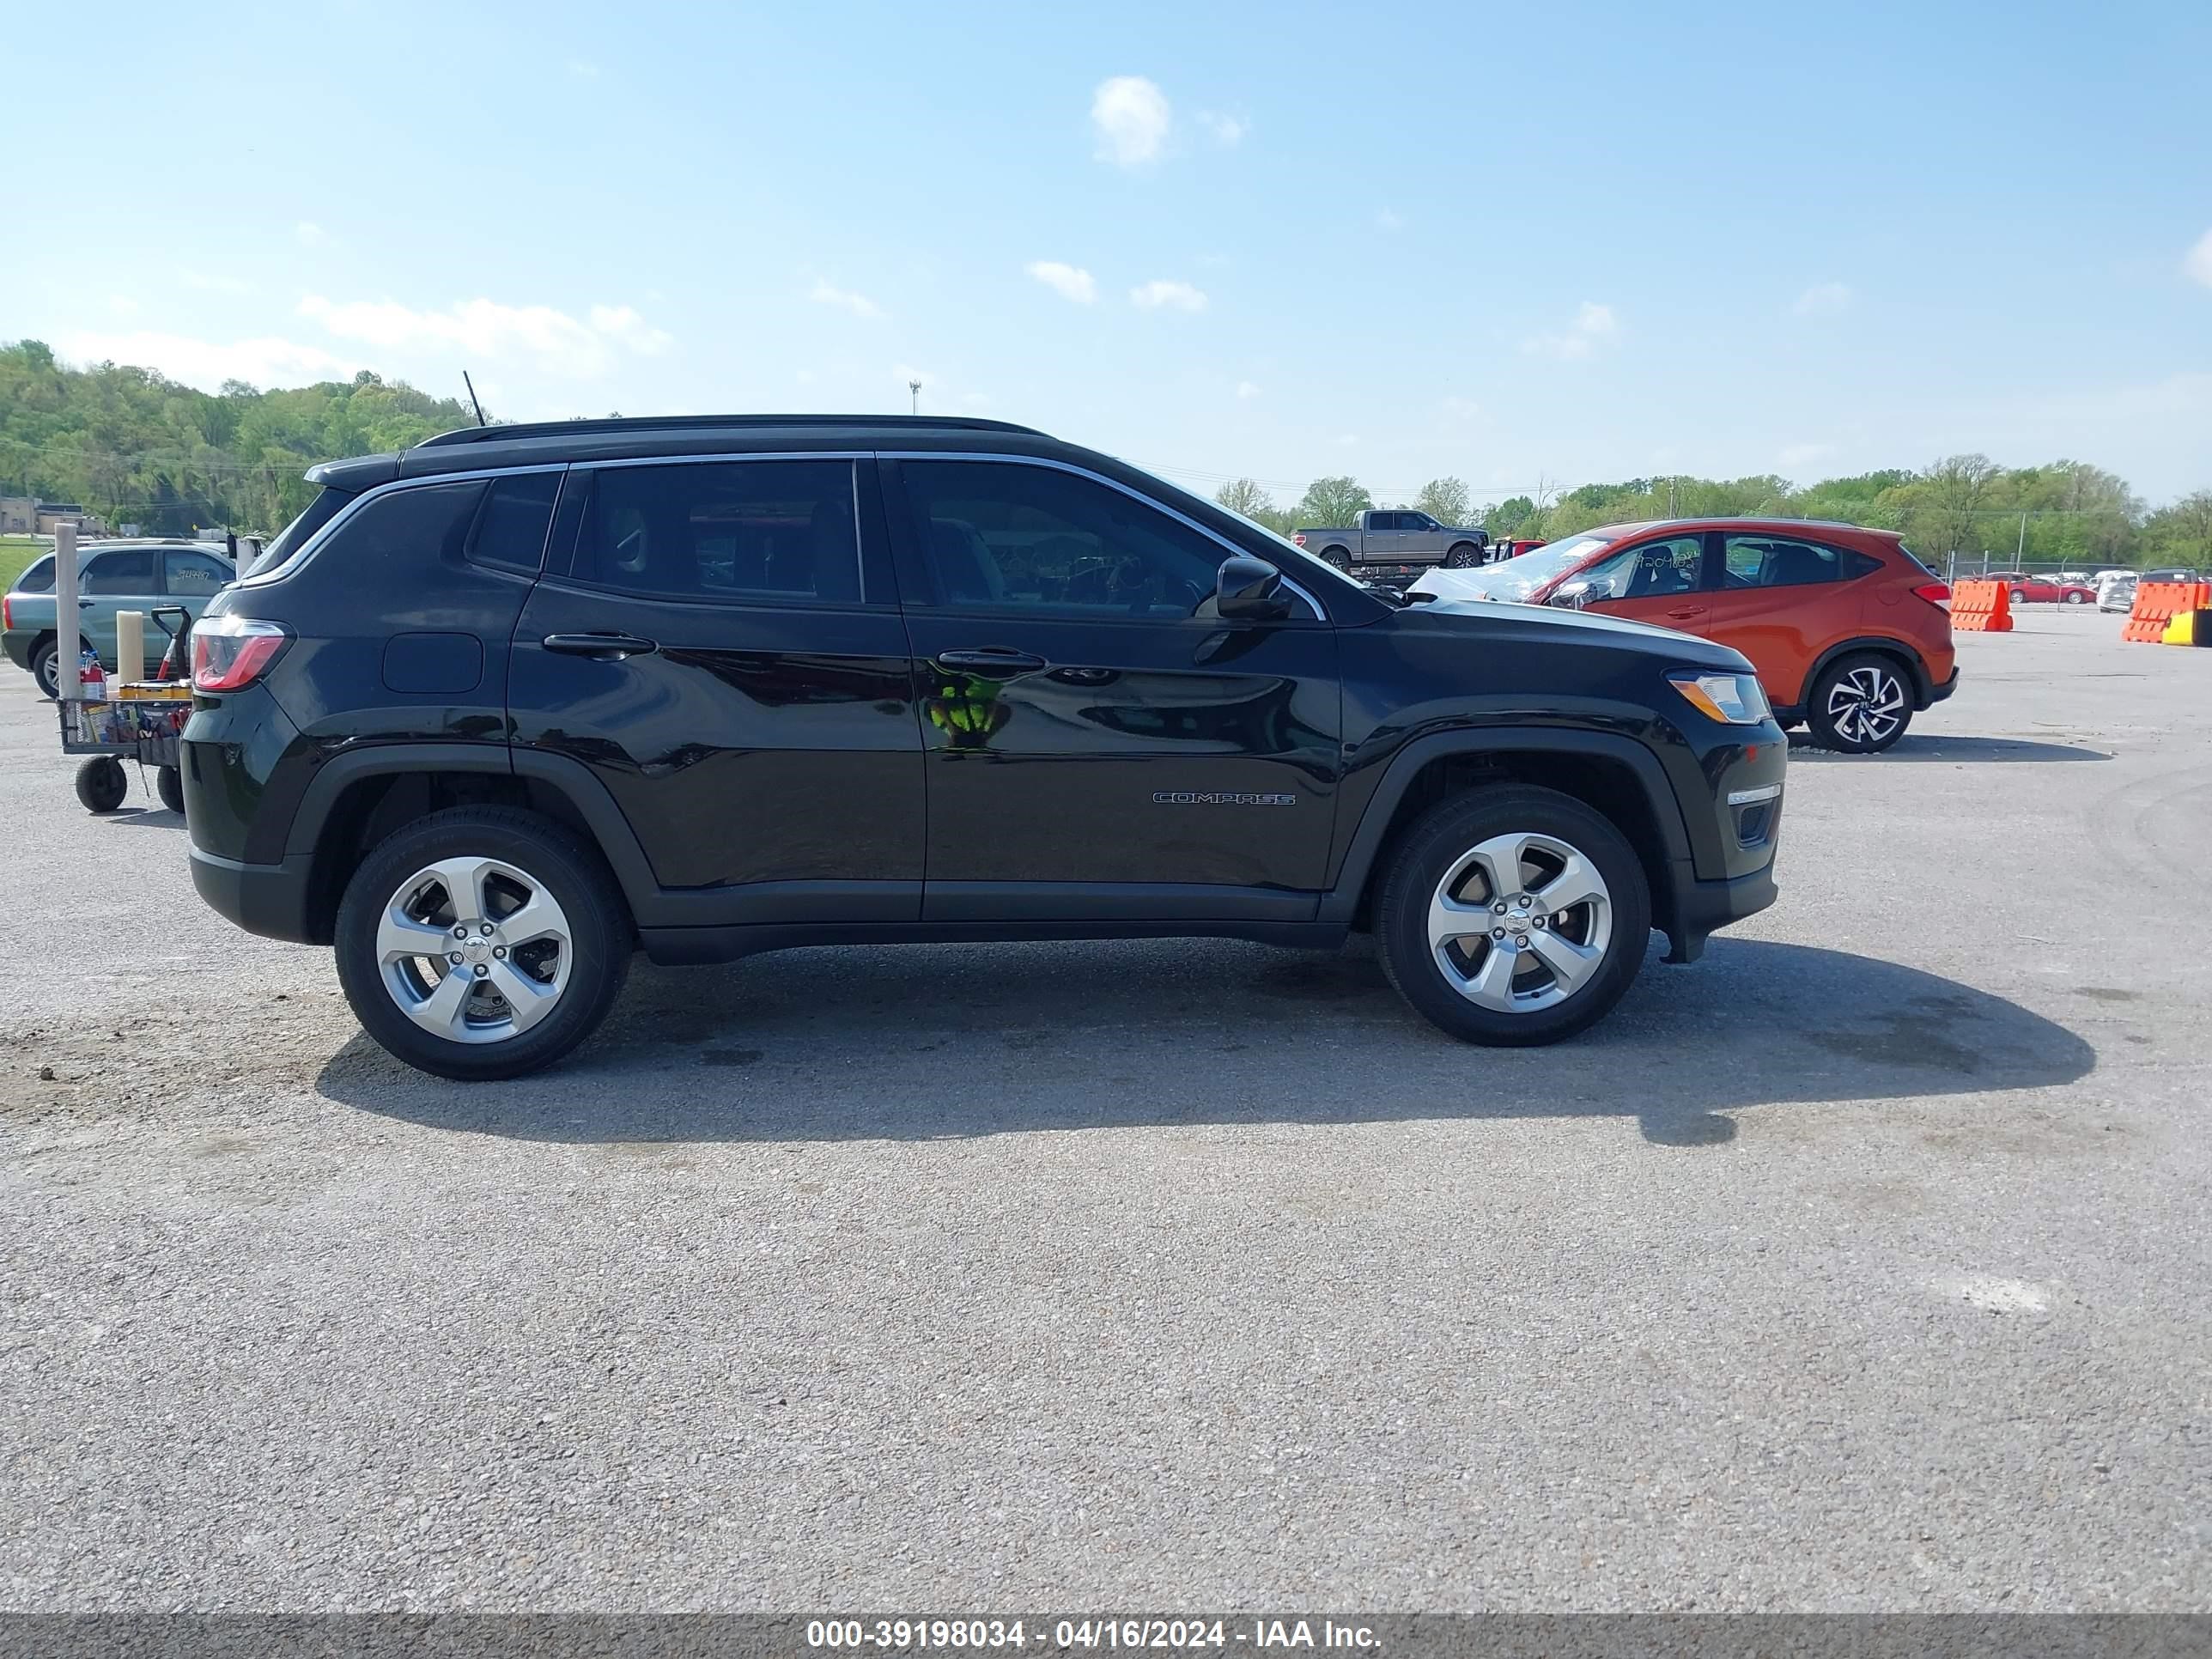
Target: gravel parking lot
<point>1864,1265</point>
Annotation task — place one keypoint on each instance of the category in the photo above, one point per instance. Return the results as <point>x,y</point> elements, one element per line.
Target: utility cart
<point>130,721</point>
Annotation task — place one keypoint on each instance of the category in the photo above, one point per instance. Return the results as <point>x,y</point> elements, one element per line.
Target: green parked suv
<point>111,576</point>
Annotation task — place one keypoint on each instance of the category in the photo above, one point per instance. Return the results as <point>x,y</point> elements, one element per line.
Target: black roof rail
<point>493,434</point>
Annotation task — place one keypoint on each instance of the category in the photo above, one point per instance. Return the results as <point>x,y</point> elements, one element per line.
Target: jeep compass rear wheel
<point>481,943</point>
<point>1513,916</point>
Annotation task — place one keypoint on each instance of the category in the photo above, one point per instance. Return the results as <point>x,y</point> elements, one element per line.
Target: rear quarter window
<point>39,578</point>
<point>511,523</point>
<point>320,511</point>
<point>408,528</point>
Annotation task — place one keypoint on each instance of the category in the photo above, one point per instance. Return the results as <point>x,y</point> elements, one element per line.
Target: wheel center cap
<point>477,949</point>
<point>1517,912</point>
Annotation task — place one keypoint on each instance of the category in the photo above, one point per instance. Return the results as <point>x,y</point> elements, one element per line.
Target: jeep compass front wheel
<point>1513,916</point>
<point>481,943</point>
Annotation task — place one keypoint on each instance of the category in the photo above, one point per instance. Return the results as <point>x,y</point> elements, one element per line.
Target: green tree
<point>2182,534</point>
<point>1446,501</point>
<point>1246,496</point>
<point>1509,517</point>
<point>1333,503</point>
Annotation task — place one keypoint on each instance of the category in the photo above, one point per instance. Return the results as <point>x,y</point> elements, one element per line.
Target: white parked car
<point>2115,590</point>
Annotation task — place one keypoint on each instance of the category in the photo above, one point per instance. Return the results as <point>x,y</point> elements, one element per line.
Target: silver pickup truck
<point>1396,535</point>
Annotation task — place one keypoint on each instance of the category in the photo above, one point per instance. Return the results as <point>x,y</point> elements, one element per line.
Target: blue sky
<point>1513,244</point>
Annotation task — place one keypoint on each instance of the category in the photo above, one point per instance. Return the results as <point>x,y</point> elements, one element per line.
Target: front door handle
<point>601,647</point>
<point>84,604</point>
<point>991,661</point>
<point>1687,613</point>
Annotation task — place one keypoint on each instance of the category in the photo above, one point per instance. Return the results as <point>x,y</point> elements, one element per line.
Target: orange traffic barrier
<point>1981,608</point>
<point>2158,603</point>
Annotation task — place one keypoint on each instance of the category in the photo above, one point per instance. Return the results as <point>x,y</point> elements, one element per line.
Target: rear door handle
<point>991,661</point>
<point>1686,612</point>
<point>601,647</point>
<point>85,605</point>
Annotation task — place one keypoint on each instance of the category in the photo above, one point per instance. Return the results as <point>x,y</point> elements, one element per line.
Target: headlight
<point>1731,699</point>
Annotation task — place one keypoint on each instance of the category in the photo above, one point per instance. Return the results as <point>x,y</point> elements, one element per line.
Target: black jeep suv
<point>498,711</point>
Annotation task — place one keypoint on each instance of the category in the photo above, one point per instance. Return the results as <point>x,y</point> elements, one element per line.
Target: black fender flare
<point>1923,685</point>
<point>571,778</point>
<point>1339,903</point>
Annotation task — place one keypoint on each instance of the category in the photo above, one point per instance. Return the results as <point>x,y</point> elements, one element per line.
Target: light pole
<point>915,387</point>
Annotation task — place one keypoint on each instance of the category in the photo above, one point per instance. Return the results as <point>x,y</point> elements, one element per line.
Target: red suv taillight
<point>230,652</point>
<point>8,612</point>
<point>1936,593</point>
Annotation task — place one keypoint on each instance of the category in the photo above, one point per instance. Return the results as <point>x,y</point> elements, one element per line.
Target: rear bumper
<point>268,899</point>
<point>1704,908</point>
<point>1936,693</point>
<point>17,646</point>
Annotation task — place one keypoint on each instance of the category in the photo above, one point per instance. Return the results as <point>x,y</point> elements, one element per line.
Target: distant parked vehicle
<point>2043,590</point>
<point>1396,535</point>
<point>1514,548</point>
<point>2172,574</point>
<point>111,576</point>
<point>2116,591</point>
<point>1850,634</point>
<point>2075,579</point>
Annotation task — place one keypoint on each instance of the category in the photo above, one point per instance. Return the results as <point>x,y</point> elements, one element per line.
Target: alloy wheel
<point>1866,706</point>
<point>474,949</point>
<point>1520,922</point>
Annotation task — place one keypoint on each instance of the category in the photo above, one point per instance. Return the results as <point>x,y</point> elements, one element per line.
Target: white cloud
<point>1796,455</point>
<point>1823,300</point>
<point>1246,389</point>
<point>1181,296</point>
<point>1347,439</point>
<point>583,68</point>
<point>1593,325</point>
<point>859,304</point>
<point>308,233</point>
<point>1069,281</point>
<point>484,328</point>
<point>1387,219</point>
<point>625,326</point>
<point>215,282</point>
<point>1131,118</point>
<point>1228,131</point>
<point>265,361</point>
<point>2198,261</point>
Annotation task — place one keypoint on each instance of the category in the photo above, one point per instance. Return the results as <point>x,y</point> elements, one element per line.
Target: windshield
<point>1514,579</point>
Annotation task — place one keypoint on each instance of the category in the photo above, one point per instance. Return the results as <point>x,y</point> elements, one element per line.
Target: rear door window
<point>1779,562</point>
<point>742,532</point>
<point>127,571</point>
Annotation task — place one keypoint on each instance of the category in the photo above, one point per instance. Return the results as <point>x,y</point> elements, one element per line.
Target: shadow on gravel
<point>922,1041</point>
<point>1959,750</point>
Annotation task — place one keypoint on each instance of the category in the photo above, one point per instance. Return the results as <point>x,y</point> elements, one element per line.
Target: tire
<point>2073,598</point>
<point>1340,557</point>
<point>45,669</point>
<point>2019,596</point>
<point>1464,555</point>
<point>583,956</point>
<point>1451,852</point>
<point>169,784</point>
<point>1860,704</point>
<point>102,784</point>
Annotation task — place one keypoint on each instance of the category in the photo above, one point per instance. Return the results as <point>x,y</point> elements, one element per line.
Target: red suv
<point>1850,634</point>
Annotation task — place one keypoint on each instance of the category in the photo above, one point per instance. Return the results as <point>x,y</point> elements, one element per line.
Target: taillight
<point>8,612</point>
<point>1299,539</point>
<point>230,652</point>
<point>1936,593</point>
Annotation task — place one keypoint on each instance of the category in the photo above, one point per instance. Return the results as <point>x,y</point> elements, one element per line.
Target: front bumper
<point>1703,908</point>
<point>268,899</point>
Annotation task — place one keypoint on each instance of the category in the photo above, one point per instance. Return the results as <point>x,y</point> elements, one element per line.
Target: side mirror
<point>1249,590</point>
<point>1575,595</point>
